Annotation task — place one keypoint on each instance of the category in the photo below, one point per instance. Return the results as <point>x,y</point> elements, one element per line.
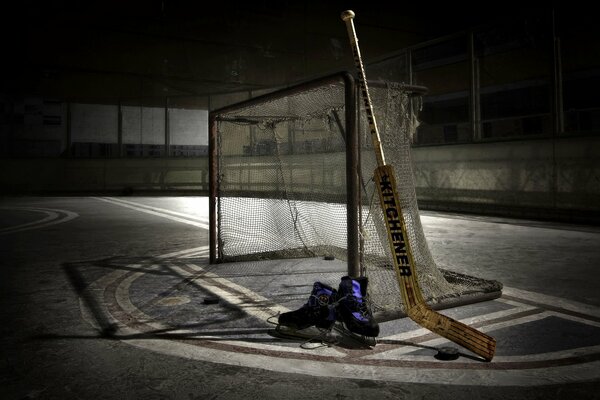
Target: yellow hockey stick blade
<point>464,335</point>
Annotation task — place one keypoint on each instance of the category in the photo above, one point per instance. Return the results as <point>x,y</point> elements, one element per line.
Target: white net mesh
<point>282,189</point>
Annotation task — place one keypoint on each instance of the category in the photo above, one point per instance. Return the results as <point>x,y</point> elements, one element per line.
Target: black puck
<point>329,258</point>
<point>447,353</point>
<point>211,300</point>
<point>109,330</point>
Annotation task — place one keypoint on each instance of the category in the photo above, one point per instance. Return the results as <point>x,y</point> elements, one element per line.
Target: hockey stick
<point>416,308</point>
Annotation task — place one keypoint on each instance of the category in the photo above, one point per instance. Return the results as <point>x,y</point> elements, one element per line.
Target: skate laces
<point>359,305</point>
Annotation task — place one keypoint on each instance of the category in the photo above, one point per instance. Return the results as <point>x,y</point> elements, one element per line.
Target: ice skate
<point>314,320</point>
<point>353,310</point>
<point>319,311</point>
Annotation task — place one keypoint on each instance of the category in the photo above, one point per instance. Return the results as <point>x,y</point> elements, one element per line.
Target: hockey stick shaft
<point>416,308</point>
<point>347,16</point>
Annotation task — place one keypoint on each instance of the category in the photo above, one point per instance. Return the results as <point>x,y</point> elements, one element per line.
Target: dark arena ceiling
<point>104,50</point>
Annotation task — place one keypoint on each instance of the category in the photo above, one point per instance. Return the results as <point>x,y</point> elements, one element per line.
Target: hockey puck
<point>329,258</point>
<point>211,300</point>
<point>109,330</point>
<point>447,353</point>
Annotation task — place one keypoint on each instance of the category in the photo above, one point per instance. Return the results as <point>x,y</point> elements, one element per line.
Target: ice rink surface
<point>106,297</point>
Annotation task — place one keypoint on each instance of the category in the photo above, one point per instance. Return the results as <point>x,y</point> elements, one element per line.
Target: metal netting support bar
<point>352,177</point>
<point>213,171</point>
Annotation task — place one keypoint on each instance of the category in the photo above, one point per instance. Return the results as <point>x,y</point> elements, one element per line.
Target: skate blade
<point>354,339</point>
<point>314,337</point>
<point>311,337</point>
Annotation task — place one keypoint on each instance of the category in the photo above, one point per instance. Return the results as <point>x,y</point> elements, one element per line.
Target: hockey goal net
<point>292,176</point>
